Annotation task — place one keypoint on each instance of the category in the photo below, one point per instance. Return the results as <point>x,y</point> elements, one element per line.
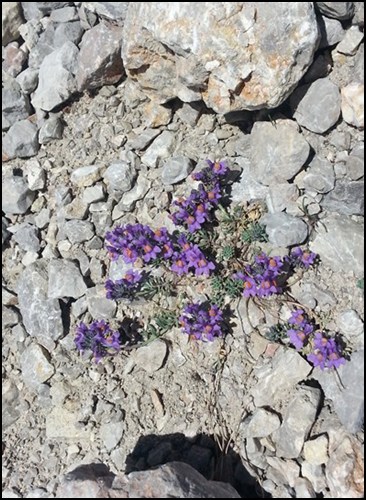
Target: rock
<point>340,247</point>
<point>278,151</point>
<point>303,488</point>
<point>14,59</point>
<point>64,15</point>
<point>5,233</point>
<point>144,139</point>
<point>77,209</point>
<point>297,422</point>
<point>284,230</point>
<point>320,176</point>
<point>316,450</point>
<point>56,77</point>
<point>64,424</point>
<point>348,401</point>
<point>129,199</point>
<point>336,10</point>
<point>42,219</point>
<point>21,140</point>
<point>346,198</point>
<point>315,474</point>
<point>41,315</point>
<point>27,238</point>
<point>282,471</point>
<point>99,61</point>
<point>176,169</point>
<point>156,115</point>
<point>320,68</point>
<point>120,178</point>
<point>11,19</point>
<point>152,356</point>
<point>51,129</point>
<point>353,104</point>
<point>9,316</point>
<point>86,176</point>
<point>36,175</point>
<point>93,194</point>
<point>355,162</point>
<point>17,196</point>
<point>351,326</point>
<point>280,196</point>
<point>35,366</point>
<point>15,105</point>
<point>359,15</point>
<point>192,68</point>
<point>65,280</point>
<point>160,149</point>
<point>261,424</point>
<point>98,305</point>
<point>351,41</point>
<point>111,10</point>
<point>28,80</point>
<point>10,493</point>
<point>37,10</point>
<point>331,31</point>
<point>78,231</point>
<point>12,406</point>
<point>248,188</point>
<point>111,434</point>
<point>317,106</point>
<point>277,379</point>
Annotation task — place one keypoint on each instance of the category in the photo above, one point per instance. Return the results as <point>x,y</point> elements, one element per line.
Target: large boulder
<point>230,54</point>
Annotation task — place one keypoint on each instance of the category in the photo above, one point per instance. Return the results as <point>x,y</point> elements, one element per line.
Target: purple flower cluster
<point>134,241</point>
<point>125,287</point>
<point>303,258</point>
<point>201,322</point>
<point>98,338</point>
<point>194,211</point>
<point>326,353</point>
<point>261,278</point>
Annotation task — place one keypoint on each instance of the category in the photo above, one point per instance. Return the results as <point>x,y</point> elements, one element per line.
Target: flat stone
<point>351,326</point>
<point>12,407</point>
<point>283,471</point>
<point>278,151</point>
<point>50,130</point>
<point>28,80</point>
<point>65,280</point>
<point>64,15</point>
<point>320,176</point>
<point>351,41</point>
<point>11,19</point>
<point>317,106</point>
<point>21,140</point>
<point>86,176</point>
<point>27,238</point>
<point>64,424</point>
<point>355,162</point>
<point>341,246</point>
<point>144,139</point>
<point>316,450</point>
<point>36,175</point>
<point>98,305</point>
<point>192,68</point>
<point>77,209</point>
<point>94,194</point>
<point>156,115</point>
<point>17,197</point>
<point>35,366</point>
<point>297,422</point>
<point>278,378</point>
<point>353,104</point>
<point>261,424</point>
<point>248,188</point>
<point>99,61</point>
<point>280,196</point>
<point>111,434</point>
<point>347,198</point>
<point>336,10</point>
<point>152,356</point>
<point>331,31</point>
<point>78,231</point>
<point>348,401</point>
<point>42,219</point>
<point>285,230</point>
<point>160,149</point>
<point>129,199</point>
<point>176,169</point>
<point>120,177</point>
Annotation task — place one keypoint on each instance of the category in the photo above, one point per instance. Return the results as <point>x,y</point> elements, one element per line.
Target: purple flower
<point>125,287</point>
<point>327,352</point>
<point>98,338</point>
<point>179,264</point>
<point>202,322</point>
<point>203,266</point>
<point>267,287</point>
<point>301,257</point>
<point>298,318</point>
<point>150,252</point>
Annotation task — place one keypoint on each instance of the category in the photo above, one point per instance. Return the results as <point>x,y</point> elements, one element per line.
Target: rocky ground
<point>87,147</point>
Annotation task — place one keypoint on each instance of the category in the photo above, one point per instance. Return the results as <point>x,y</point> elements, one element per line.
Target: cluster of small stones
<point>94,137</point>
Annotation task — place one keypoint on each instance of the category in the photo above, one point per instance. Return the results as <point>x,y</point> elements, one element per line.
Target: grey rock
<point>297,422</point>
<point>129,199</point>
<point>355,162</point>
<point>248,188</point>
<point>176,169</point>
<point>42,219</point>
<point>115,11</point>
<point>120,177</point>
<point>315,474</point>
<point>77,209</point>
<point>317,106</point>
<point>111,434</point>
<point>336,10</point>
<point>38,493</point>
<point>285,230</point>
<point>21,140</point>
<point>102,222</point>
<point>100,61</point>
<point>35,366</point>
<point>5,233</point>
<point>64,15</point>
<point>98,305</point>
<point>8,493</point>
<point>41,315</point>
<point>331,32</point>
<point>353,104</point>
<point>261,424</point>
<point>194,68</point>
<point>278,378</point>
<point>36,175</point>
<point>56,77</point>
<point>15,105</point>
<point>341,246</point>
<point>17,196</point>
<point>61,423</point>
<point>304,488</point>
<point>28,80</point>
<point>37,10</point>
<point>278,151</point>
<point>351,326</point>
<point>65,279</point>
<point>10,317</point>
<point>12,407</point>
<point>348,400</point>
<point>359,15</point>
<point>79,307</point>
<point>93,194</point>
<point>86,176</point>
<point>283,471</point>
<point>144,139</point>
<point>51,129</point>
<point>346,198</point>
<point>351,41</point>
<point>320,176</point>
<point>27,238</point>
<point>316,450</point>
<point>280,196</point>
<point>152,356</point>
<point>78,231</point>
<point>11,19</point>
<point>160,149</point>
